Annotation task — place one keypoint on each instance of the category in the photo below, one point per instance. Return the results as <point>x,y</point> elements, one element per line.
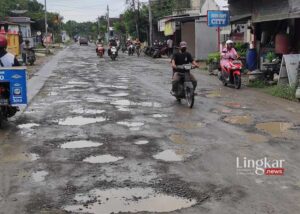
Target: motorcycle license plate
<point>187,67</point>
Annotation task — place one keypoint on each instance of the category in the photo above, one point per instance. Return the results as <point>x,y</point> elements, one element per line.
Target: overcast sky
<point>85,10</point>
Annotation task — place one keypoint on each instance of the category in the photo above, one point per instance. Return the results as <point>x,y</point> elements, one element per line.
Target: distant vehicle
<point>83,41</point>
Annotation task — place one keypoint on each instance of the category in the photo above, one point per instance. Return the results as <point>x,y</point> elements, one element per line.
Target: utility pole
<point>108,23</point>
<point>46,28</point>
<point>150,25</point>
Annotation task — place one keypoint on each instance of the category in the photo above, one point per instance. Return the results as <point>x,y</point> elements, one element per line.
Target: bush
<point>213,58</point>
<point>283,91</point>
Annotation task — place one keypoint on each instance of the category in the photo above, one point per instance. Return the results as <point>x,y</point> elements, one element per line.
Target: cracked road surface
<point>106,137</point>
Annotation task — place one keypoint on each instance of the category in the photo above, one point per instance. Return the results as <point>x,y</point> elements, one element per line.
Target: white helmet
<point>229,42</point>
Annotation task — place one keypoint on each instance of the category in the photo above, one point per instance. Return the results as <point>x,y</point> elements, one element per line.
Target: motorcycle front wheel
<point>237,81</point>
<point>190,97</point>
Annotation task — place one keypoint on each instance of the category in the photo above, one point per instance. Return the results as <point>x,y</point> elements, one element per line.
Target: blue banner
<point>16,78</point>
<point>217,18</point>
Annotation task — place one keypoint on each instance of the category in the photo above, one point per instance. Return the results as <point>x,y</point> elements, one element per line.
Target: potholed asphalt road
<point>107,137</point>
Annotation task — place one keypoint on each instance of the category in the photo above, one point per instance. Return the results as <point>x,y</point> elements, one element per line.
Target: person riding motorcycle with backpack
<point>6,59</point>
<point>181,58</point>
<point>112,43</point>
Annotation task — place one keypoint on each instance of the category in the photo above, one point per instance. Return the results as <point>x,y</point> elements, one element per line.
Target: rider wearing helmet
<point>181,58</point>
<point>228,53</point>
<point>6,59</point>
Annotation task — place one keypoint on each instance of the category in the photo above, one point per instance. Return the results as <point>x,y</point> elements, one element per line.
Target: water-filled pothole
<point>28,125</point>
<point>80,144</point>
<point>121,94</point>
<point>169,155</point>
<point>80,121</point>
<point>128,200</point>
<point>141,142</point>
<point>132,125</point>
<point>275,129</point>
<point>102,159</point>
<point>87,111</point>
<point>39,176</point>
<point>240,120</point>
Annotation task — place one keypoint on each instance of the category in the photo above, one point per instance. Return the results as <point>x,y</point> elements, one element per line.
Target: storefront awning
<point>240,19</point>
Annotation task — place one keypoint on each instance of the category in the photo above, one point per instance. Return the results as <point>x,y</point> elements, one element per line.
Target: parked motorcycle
<point>100,51</point>
<point>185,88</point>
<point>231,74</point>
<point>114,53</point>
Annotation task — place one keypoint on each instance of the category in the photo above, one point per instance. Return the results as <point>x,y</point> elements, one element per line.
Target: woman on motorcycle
<point>228,53</point>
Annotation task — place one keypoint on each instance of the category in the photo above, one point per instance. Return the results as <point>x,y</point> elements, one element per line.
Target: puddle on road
<point>275,129</point>
<point>102,159</point>
<point>77,83</point>
<point>233,105</point>
<point>96,99</point>
<point>189,125</point>
<point>159,115</point>
<point>130,103</point>
<point>67,101</point>
<point>134,126</point>
<point>178,139</point>
<point>39,176</point>
<point>168,155</point>
<point>53,93</point>
<point>80,144</point>
<point>28,125</point>
<point>222,111</point>
<point>213,94</point>
<point>141,142</point>
<point>240,120</point>
<point>87,111</point>
<point>121,94</point>
<point>128,200</point>
<point>80,121</point>
<point>257,138</point>
<point>34,157</point>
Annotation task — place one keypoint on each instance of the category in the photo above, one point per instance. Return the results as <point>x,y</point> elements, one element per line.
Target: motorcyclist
<point>137,44</point>
<point>112,43</point>
<point>228,53</point>
<point>181,58</point>
<point>6,59</point>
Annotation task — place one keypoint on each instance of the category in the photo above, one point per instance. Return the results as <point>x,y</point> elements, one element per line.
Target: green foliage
<point>241,49</point>
<point>282,91</point>
<point>257,84</point>
<point>270,56</point>
<point>213,58</point>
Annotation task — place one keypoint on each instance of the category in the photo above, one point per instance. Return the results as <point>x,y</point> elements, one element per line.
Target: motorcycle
<point>231,74</point>
<point>30,56</point>
<point>12,92</point>
<point>100,51</point>
<point>185,88</point>
<point>138,50</point>
<point>114,53</point>
<point>131,50</point>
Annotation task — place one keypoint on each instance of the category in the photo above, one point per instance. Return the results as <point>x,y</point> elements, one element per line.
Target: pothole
<point>77,83</point>
<point>168,155</point>
<point>240,120</point>
<point>234,105</point>
<point>190,125</point>
<point>178,139</point>
<point>141,142</point>
<point>80,144</point>
<point>159,115</point>
<point>28,126</point>
<point>275,129</point>
<point>80,121</point>
<point>213,94</point>
<point>257,138</point>
<point>34,157</point>
<point>132,125</point>
<point>87,111</point>
<point>102,159</point>
<point>121,94</point>
<point>128,200</point>
<point>39,176</point>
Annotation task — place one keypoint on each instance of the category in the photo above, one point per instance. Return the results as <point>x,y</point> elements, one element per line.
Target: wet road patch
<point>80,144</point>
<point>102,159</point>
<point>275,129</point>
<point>87,111</point>
<point>141,142</point>
<point>134,126</point>
<point>169,156</point>
<point>159,115</point>
<point>39,176</point>
<point>128,200</point>
<point>121,94</point>
<point>239,120</point>
<point>28,125</point>
<point>80,121</point>
<point>257,138</point>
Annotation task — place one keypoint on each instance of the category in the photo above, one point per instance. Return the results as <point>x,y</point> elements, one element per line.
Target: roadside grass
<point>282,91</point>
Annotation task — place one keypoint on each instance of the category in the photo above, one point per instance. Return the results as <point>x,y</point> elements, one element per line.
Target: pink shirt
<point>227,54</point>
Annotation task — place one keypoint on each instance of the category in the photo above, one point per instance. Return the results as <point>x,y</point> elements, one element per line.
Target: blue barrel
<point>251,59</point>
